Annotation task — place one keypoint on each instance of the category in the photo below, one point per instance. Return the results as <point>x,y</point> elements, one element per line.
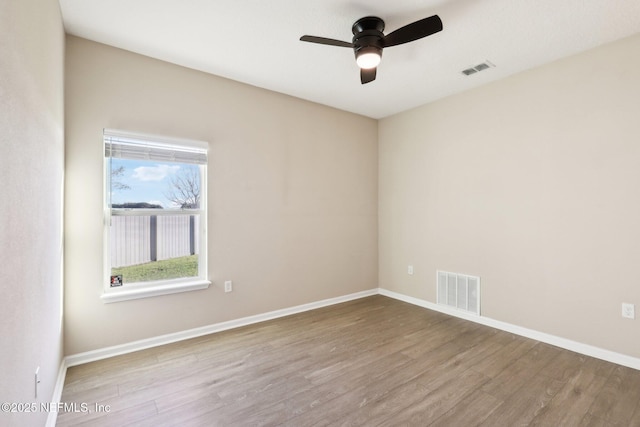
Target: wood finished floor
<point>374,362</point>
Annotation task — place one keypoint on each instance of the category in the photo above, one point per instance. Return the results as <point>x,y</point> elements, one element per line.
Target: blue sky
<point>148,180</point>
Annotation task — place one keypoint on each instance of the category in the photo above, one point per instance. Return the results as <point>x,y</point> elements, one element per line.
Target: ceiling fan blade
<point>324,40</point>
<point>367,75</point>
<point>414,31</point>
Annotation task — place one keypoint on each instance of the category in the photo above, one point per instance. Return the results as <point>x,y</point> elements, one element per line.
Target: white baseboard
<point>90,356</point>
<point>57,393</point>
<point>103,353</point>
<point>587,350</point>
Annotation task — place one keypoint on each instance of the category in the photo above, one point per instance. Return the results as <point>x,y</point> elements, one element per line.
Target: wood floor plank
<point>526,403</point>
<point>472,410</point>
<point>520,372</point>
<point>619,397</point>
<point>435,404</point>
<point>371,385</point>
<point>593,421</point>
<point>512,351</point>
<point>378,412</point>
<point>372,361</point>
<point>570,405</point>
<point>635,418</point>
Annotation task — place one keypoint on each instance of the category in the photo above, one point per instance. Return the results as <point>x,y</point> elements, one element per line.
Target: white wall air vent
<point>459,291</point>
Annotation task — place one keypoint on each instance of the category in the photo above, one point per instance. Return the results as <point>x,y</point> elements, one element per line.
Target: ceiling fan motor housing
<point>368,36</point>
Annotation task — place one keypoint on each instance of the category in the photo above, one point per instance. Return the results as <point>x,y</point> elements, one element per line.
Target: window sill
<point>153,291</point>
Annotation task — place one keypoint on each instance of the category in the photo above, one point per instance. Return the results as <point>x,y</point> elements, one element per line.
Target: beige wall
<point>528,182</point>
<point>531,183</point>
<point>292,194</point>
<point>31,172</point>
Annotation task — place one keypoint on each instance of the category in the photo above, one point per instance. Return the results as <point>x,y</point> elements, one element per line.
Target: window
<point>155,215</point>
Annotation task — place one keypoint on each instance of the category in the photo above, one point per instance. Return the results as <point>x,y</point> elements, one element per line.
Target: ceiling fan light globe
<point>368,60</point>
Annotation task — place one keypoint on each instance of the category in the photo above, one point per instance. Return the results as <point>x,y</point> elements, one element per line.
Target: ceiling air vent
<point>480,67</point>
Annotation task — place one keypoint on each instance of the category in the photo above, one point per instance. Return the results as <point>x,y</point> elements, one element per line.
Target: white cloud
<point>154,173</point>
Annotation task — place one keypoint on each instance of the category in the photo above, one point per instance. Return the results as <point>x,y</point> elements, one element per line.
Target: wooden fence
<point>142,239</point>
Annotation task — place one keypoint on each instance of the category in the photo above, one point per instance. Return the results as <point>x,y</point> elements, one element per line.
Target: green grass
<point>173,268</point>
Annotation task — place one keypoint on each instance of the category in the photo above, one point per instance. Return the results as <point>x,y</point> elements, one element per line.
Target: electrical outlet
<point>228,286</point>
<point>410,269</point>
<point>628,310</point>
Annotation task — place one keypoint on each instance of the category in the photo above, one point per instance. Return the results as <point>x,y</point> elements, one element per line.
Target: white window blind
<point>125,145</point>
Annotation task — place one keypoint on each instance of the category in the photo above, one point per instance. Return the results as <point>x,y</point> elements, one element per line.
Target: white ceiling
<point>257,41</point>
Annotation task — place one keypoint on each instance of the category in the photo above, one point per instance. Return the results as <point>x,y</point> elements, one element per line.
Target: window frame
<point>159,287</point>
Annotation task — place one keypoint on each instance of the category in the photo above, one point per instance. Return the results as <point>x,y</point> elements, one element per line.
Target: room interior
<point>524,177</point>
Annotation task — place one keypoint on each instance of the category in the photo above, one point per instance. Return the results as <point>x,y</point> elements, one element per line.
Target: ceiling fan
<point>368,40</point>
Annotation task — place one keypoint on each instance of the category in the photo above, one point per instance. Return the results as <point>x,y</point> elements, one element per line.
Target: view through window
<point>156,204</point>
